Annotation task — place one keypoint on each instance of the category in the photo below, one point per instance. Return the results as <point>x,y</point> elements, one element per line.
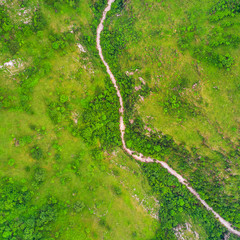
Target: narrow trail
<point>139,156</point>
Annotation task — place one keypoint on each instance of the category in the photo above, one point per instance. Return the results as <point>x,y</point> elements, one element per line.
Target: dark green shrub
<point>39,175</point>
<point>117,190</point>
<point>39,21</point>
<point>78,206</point>
<point>36,153</point>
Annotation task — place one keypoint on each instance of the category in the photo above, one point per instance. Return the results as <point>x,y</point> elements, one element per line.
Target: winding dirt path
<point>139,156</point>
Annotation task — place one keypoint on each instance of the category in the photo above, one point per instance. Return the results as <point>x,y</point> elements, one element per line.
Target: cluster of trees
<point>186,36</point>
<point>175,104</point>
<point>78,206</point>
<point>61,41</point>
<point>19,218</point>
<point>176,199</point>
<point>40,130</point>
<point>36,152</point>
<point>29,79</point>
<point>38,22</point>
<point>205,178</point>
<point>39,175</point>
<point>218,36</point>
<point>207,54</point>
<point>221,15</point>
<point>7,32</point>
<point>100,117</point>
<point>101,120</point>
<point>59,111</point>
<point>7,99</point>
<point>223,39</point>
<point>75,164</point>
<point>200,169</point>
<point>156,144</point>
<point>224,8</point>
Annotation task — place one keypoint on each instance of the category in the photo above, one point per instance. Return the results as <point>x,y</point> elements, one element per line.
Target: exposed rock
<point>12,66</point>
<point>81,48</point>
<point>75,117</point>
<point>131,121</point>
<point>142,80</point>
<point>185,232</point>
<point>141,97</point>
<point>138,88</point>
<point>129,73</point>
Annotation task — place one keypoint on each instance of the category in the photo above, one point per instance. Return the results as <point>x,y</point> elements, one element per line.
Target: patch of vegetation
<point>36,152</point>
<point>33,221</point>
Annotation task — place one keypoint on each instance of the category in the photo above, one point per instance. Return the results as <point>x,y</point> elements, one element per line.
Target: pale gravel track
<point>139,156</point>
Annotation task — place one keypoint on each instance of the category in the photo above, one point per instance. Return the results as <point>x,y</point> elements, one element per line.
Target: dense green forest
<point>63,173</point>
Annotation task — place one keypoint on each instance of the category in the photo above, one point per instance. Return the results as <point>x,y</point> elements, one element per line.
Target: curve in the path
<point>139,156</point>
